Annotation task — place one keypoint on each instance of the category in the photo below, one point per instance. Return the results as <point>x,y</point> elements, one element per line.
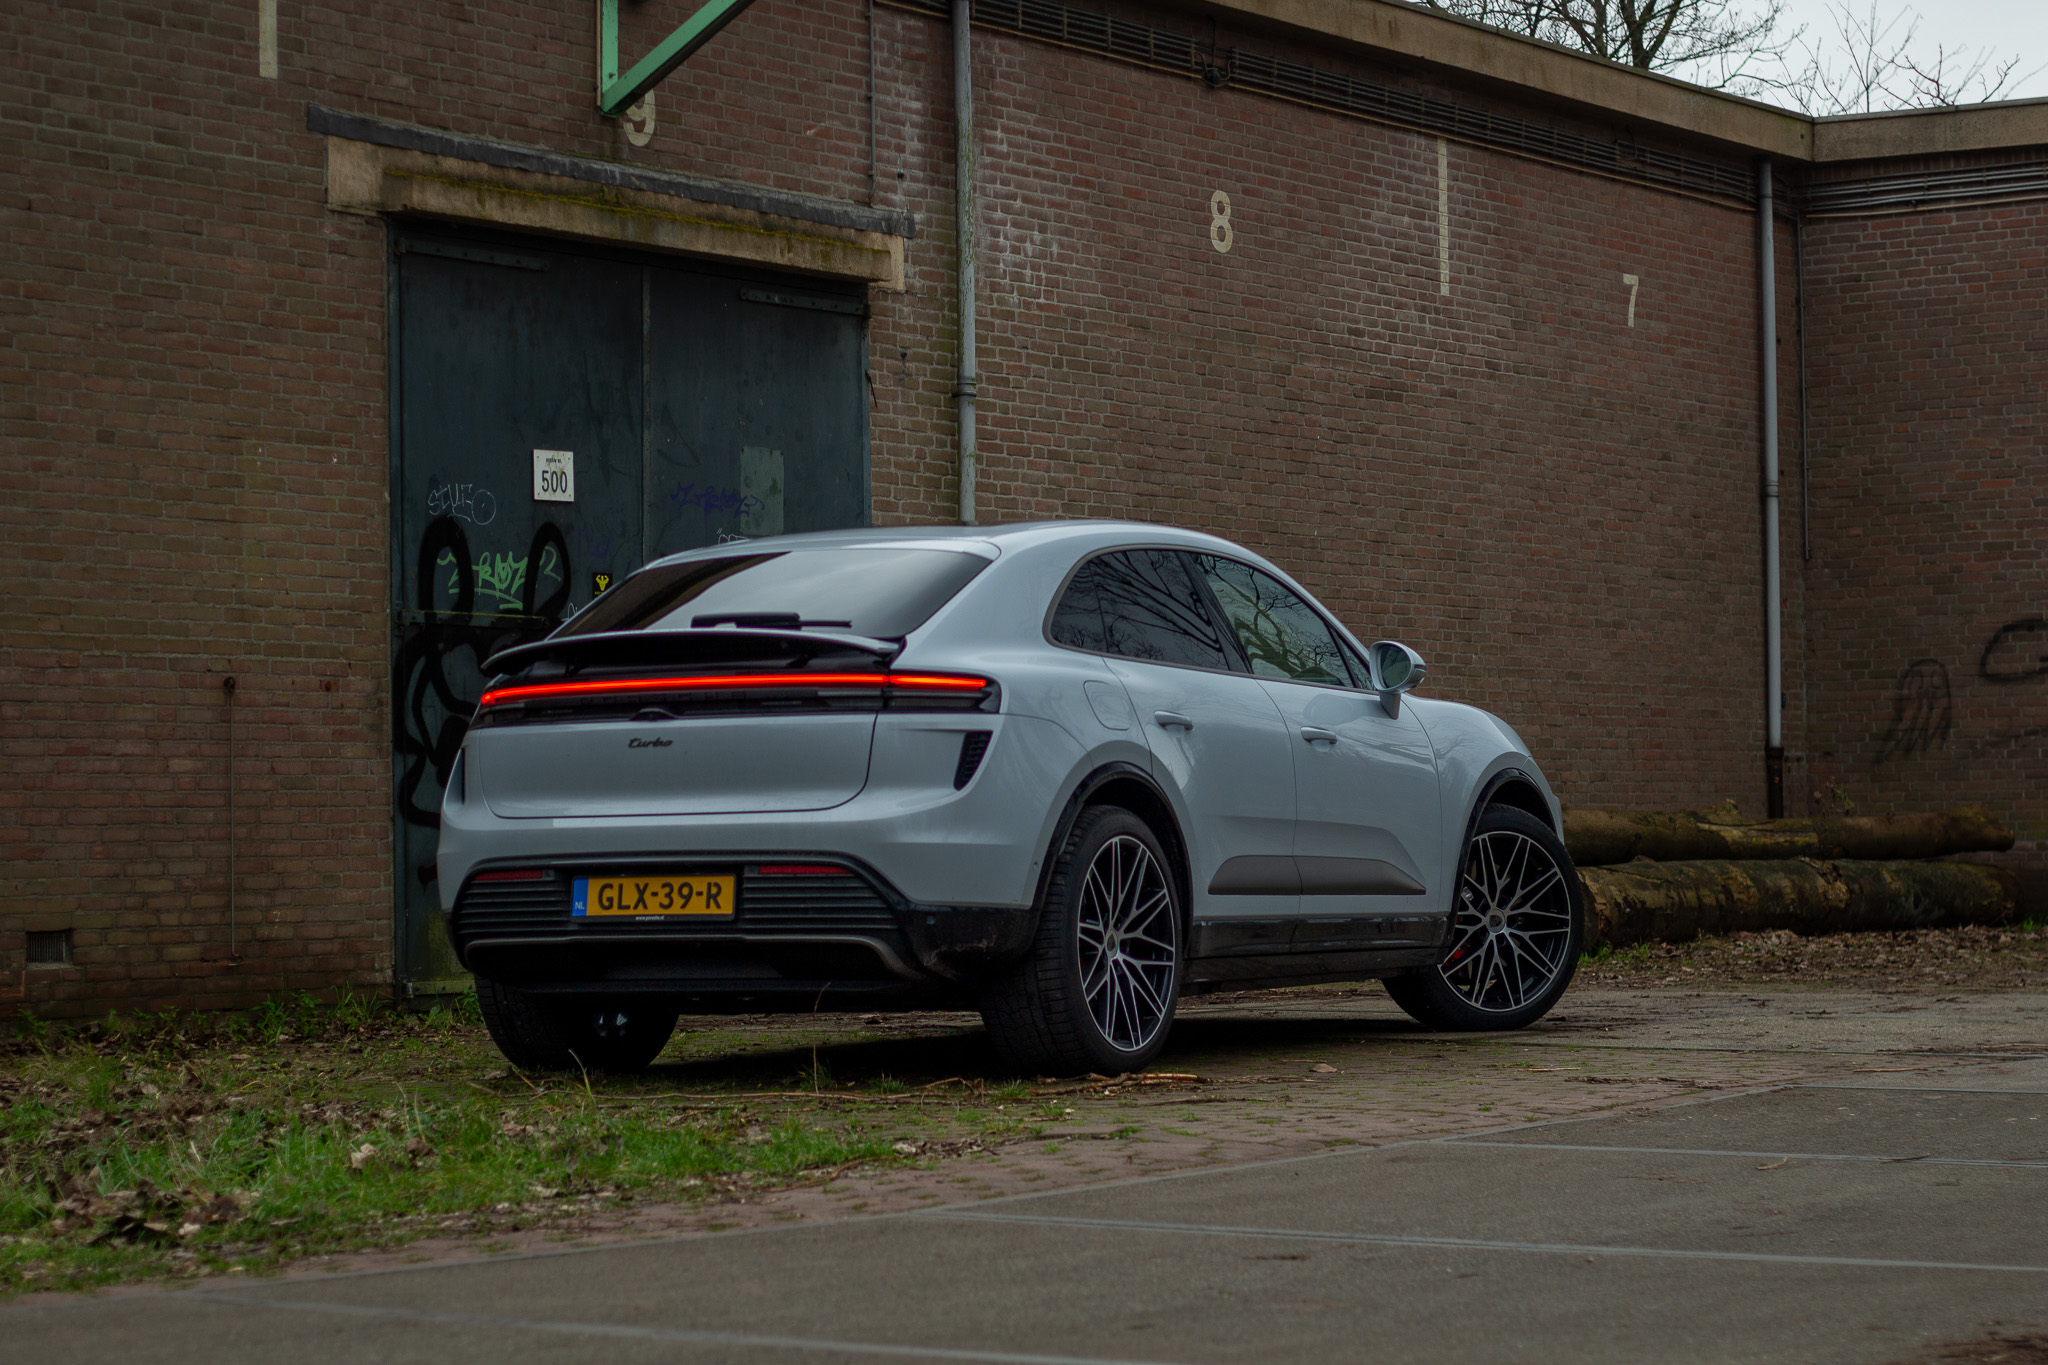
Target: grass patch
<point>152,1146</point>
<point>148,1146</point>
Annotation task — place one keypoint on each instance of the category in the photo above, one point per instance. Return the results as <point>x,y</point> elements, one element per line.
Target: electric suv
<point>1061,773</point>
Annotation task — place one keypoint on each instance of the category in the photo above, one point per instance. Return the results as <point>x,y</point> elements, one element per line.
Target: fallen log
<point>1599,838</point>
<point>1675,902</point>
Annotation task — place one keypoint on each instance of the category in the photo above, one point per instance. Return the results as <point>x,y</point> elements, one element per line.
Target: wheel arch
<point>1513,787</point>
<point>1131,787</point>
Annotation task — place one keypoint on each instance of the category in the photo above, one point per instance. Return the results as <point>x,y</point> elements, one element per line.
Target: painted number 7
<point>1633,282</point>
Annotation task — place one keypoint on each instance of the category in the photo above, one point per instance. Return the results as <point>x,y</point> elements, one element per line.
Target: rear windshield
<point>880,592</point>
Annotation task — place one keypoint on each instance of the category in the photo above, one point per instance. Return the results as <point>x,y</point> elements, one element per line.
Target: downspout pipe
<point>1774,637</point>
<point>964,208</point>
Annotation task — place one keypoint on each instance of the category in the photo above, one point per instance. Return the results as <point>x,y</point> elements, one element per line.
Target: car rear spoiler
<point>716,645</point>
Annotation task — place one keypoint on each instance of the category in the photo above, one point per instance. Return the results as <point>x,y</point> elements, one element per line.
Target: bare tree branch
<point>1872,60</point>
<point>1655,35</point>
<point>1874,63</point>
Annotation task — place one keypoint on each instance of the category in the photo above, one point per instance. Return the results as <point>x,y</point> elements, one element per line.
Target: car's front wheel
<point>1516,931</point>
<point>1096,993</point>
<point>539,1034</point>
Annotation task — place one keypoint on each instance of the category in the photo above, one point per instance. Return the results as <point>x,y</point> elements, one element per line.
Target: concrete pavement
<point>1891,1196</point>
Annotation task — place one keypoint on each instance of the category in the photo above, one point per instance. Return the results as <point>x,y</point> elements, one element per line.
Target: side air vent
<point>973,746</point>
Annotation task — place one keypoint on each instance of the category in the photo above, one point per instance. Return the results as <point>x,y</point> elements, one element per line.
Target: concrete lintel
<point>518,156</point>
<point>367,178</point>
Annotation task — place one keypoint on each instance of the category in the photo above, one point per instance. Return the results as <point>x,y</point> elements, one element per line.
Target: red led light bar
<point>730,682</point>
<point>524,874</point>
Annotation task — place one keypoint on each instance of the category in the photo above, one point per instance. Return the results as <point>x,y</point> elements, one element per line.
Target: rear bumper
<point>981,845</point>
<point>791,941</point>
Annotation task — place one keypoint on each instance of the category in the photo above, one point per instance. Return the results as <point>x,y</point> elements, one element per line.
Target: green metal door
<point>560,417</point>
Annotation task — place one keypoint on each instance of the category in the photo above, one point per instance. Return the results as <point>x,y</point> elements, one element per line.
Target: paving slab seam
<point>1473,1243</point>
<point>1914,1089</point>
<point>1747,1051</point>
<point>679,1335</point>
<point>1355,1149</point>
<point>1790,1156</point>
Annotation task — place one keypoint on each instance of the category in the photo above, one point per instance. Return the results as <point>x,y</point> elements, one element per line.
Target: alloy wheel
<point>1130,943</point>
<point>1511,936</point>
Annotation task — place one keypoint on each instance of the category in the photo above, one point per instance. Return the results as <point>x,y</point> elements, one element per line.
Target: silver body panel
<point>1388,792</point>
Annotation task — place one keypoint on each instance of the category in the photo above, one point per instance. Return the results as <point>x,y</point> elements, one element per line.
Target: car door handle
<point>1316,735</point>
<point>1169,720</point>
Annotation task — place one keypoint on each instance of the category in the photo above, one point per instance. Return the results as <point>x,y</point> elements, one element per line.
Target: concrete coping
<point>1471,52</point>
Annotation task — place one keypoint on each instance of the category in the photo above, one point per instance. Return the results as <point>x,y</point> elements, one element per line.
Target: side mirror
<point>1395,669</point>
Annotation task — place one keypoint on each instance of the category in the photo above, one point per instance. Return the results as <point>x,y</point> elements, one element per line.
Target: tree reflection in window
<point>1153,610</point>
<point>1077,621</point>
<point>1282,635</point>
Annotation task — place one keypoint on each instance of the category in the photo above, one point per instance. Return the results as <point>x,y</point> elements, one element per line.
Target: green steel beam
<point>616,92</point>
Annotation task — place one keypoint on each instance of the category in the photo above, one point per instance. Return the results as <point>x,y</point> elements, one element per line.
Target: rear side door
<point>1215,735</point>
<point>1367,834</point>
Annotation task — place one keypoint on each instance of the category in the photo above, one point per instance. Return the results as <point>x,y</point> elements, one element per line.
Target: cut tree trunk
<point>1599,838</point>
<point>1678,901</point>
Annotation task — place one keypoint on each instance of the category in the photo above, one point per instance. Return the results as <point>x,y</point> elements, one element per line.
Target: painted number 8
<point>1220,235</point>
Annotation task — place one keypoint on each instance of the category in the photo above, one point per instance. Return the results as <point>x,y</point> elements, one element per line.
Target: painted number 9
<point>1220,235</point>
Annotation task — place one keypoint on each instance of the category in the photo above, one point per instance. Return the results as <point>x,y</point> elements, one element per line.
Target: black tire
<point>587,1034</point>
<point>1517,927</point>
<point>1089,999</point>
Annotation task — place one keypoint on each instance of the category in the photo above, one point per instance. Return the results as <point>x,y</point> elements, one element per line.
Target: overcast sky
<point>2013,28</point>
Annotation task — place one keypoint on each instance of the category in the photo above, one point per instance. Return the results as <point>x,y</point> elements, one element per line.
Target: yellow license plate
<point>655,896</point>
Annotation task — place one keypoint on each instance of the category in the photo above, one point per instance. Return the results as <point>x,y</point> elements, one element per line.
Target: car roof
<point>988,540</point>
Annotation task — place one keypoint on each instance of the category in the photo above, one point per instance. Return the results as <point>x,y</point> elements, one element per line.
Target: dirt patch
<point>1970,958</point>
<point>2029,1348</point>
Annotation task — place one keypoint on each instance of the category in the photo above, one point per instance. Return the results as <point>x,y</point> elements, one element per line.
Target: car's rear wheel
<point>1516,932</point>
<point>1096,993</point>
<point>539,1034</point>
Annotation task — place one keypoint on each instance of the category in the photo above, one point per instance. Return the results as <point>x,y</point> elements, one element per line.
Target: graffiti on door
<point>470,607</point>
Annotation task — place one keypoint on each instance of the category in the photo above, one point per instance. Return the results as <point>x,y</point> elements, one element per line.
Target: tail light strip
<point>949,684</point>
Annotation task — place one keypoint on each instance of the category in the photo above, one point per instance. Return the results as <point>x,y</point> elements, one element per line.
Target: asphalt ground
<point>1651,1175</point>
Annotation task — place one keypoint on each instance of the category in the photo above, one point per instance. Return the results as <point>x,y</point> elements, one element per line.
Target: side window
<point>1282,635</point>
<point>1153,610</point>
<point>1077,621</point>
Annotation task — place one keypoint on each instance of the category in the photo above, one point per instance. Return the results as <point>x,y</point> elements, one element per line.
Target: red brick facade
<point>1546,479</point>
<point>1929,440</point>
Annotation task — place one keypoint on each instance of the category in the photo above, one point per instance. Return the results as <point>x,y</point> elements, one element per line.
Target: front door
<point>563,416</point>
<point>1367,832</point>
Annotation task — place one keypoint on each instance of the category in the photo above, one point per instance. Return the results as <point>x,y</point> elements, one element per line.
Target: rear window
<point>880,592</point>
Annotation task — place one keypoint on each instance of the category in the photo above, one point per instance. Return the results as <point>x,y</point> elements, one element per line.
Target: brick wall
<point>1558,508</point>
<point>1929,449</point>
<point>193,438</point>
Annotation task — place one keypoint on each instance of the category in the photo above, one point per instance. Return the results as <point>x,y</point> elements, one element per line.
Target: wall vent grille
<point>1923,191</point>
<point>1163,50</point>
